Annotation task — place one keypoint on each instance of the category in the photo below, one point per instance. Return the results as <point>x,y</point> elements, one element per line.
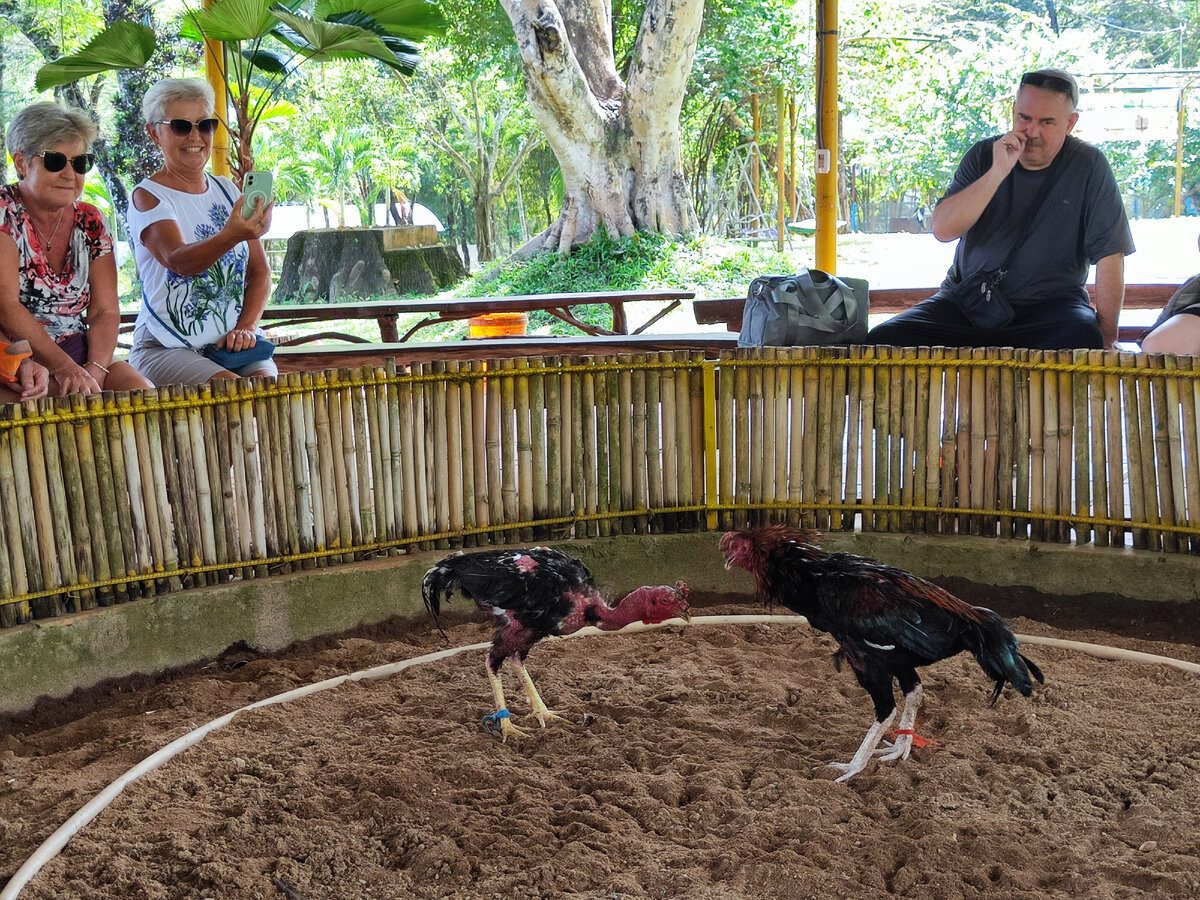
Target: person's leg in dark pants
<point>1036,325</point>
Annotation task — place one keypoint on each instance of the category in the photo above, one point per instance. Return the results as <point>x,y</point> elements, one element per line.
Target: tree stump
<point>333,264</point>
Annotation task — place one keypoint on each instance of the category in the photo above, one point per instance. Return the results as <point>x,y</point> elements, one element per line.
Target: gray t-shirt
<point>1082,220</point>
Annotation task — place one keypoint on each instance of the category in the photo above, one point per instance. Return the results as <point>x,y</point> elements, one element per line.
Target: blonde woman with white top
<point>204,273</point>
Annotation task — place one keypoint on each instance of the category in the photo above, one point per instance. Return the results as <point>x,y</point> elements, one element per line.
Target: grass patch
<point>711,268</point>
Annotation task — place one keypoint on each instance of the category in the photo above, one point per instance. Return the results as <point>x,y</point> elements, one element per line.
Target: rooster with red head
<point>886,622</point>
<point>535,593</point>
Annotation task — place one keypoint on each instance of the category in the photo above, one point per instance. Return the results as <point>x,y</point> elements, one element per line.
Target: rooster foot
<point>899,750</point>
<point>499,725</point>
<point>905,741</point>
<point>850,769</point>
<point>543,715</point>
<point>901,744</point>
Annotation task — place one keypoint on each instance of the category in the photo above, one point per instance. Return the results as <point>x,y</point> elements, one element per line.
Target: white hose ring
<point>54,844</point>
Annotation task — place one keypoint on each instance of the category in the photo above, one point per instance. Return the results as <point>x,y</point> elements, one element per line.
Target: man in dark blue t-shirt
<point>991,209</point>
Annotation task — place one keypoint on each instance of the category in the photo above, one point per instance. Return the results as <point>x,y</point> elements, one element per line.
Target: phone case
<point>257,184</point>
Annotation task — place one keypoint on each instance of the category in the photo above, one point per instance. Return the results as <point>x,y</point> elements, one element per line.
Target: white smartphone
<point>257,185</point>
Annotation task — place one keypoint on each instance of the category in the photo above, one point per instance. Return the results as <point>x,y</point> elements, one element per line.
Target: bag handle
<point>171,330</point>
<point>818,313</point>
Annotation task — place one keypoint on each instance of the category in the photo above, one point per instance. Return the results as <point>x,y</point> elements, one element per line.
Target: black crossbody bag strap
<point>1039,202</point>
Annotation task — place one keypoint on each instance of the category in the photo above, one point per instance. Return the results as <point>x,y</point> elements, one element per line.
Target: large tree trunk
<point>484,236</point>
<point>617,142</point>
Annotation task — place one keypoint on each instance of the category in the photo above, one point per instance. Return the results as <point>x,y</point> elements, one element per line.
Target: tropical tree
<point>124,149</point>
<point>730,115</point>
<point>478,126</point>
<point>616,137</point>
<point>264,43</point>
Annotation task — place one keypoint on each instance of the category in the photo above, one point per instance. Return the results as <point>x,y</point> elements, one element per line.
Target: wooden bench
<point>894,300</point>
<point>386,312</point>
<point>284,315</point>
<point>309,358</point>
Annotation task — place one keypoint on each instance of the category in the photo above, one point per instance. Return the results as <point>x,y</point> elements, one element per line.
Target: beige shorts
<point>183,365</point>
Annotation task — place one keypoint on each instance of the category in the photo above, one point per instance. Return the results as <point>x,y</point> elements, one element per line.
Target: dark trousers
<point>1037,325</point>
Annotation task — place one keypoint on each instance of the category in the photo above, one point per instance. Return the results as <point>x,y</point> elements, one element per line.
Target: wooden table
<point>386,312</point>
<point>558,305</point>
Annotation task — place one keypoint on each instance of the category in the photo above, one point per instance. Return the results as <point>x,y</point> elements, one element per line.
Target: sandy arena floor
<point>693,766</point>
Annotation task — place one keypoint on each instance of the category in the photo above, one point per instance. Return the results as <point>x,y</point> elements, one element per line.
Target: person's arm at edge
<point>1110,295</point>
<point>18,322</point>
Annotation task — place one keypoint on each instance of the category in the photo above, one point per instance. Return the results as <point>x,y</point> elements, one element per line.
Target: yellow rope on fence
<point>139,493</point>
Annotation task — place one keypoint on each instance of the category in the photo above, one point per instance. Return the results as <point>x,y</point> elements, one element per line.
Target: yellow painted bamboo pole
<point>711,495</point>
<point>780,206</point>
<point>538,404</point>
<point>727,417</point>
<point>214,72</point>
<point>827,135</point>
<point>524,447</point>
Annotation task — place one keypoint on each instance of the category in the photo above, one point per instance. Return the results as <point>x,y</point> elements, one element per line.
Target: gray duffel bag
<point>810,307</point>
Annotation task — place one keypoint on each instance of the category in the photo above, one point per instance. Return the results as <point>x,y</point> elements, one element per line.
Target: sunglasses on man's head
<point>56,162</point>
<point>183,127</point>
<point>1051,83</point>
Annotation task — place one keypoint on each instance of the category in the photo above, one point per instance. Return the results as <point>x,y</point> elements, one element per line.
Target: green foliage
<point>265,42</point>
<point>353,136</point>
<point>712,268</point>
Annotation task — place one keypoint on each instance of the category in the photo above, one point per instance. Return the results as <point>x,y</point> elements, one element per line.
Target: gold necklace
<point>46,244</point>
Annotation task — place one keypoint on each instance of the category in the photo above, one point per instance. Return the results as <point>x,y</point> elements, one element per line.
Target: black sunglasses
<point>56,162</point>
<point>183,127</point>
<point>1052,83</point>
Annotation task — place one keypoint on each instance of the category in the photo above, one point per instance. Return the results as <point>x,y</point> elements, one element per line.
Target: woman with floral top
<point>204,273</point>
<point>58,278</point>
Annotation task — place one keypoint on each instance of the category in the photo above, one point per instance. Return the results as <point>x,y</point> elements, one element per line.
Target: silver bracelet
<point>92,362</point>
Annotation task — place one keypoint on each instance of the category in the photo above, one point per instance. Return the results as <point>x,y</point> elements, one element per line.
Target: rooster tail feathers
<point>999,657</point>
<point>437,587</point>
<point>1033,669</point>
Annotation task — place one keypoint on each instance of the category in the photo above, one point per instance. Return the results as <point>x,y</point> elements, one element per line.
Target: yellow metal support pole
<point>780,216</point>
<point>214,71</point>
<point>1180,122</point>
<point>827,135</point>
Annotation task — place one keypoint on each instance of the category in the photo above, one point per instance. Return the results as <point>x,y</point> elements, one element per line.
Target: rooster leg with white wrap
<point>904,731</point>
<point>537,706</point>
<point>499,721</point>
<point>878,683</point>
<point>865,750</point>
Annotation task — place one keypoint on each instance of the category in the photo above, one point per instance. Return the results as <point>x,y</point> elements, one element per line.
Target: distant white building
<point>287,220</point>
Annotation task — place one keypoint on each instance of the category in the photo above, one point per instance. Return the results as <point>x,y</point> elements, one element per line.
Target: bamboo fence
<point>113,497</point>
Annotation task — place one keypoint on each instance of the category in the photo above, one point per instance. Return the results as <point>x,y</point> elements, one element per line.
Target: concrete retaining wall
<point>52,657</point>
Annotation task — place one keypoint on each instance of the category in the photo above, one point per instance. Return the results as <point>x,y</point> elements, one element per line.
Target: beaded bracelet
<point>92,362</point>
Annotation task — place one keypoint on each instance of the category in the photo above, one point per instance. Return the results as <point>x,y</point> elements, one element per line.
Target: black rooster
<point>534,593</point>
<point>886,622</point>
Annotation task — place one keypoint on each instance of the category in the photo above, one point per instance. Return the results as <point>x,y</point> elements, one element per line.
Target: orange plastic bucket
<point>498,325</point>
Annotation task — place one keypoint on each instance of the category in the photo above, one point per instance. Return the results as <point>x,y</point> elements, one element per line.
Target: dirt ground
<point>692,765</point>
